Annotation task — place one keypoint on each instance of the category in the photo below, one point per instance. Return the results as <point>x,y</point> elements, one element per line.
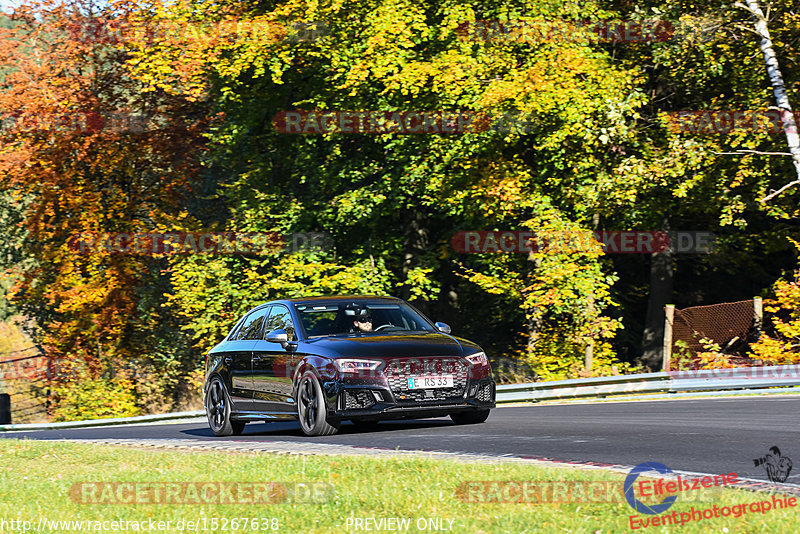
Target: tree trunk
<point>416,239</point>
<point>660,295</point>
<point>534,314</point>
<point>779,89</point>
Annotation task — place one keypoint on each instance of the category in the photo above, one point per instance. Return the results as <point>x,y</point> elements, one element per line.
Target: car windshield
<point>337,318</point>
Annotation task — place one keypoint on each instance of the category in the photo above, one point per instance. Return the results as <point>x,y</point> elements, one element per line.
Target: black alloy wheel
<point>311,410</point>
<point>218,410</point>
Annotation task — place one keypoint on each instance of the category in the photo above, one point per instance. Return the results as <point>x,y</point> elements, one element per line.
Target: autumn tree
<point>73,170</point>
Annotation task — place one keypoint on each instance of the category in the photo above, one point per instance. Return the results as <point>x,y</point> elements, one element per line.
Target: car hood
<point>393,345</point>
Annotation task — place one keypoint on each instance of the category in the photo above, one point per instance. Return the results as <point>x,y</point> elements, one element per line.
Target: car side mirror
<point>442,327</point>
<point>278,336</point>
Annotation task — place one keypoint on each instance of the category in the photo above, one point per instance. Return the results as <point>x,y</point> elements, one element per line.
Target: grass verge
<point>76,482</point>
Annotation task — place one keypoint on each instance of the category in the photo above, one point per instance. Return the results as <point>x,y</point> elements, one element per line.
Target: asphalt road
<point>706,436</point>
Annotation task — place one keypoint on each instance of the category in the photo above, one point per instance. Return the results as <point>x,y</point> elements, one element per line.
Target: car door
<point>238,359</point>
<point>273,366</point>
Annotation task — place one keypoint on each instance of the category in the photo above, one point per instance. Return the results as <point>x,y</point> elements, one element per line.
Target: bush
<point>559,356</point>
<point>782,347</point>
<point>84,397</point>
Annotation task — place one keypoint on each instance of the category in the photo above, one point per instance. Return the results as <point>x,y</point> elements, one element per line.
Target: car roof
<point>336,298</point>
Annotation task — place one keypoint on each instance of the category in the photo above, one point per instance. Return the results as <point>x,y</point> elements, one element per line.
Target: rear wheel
<point>311,408</point>
<point>218,410</point>
<point>470,418</point>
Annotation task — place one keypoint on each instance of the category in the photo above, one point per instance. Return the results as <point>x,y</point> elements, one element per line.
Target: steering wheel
<point>381,327</point>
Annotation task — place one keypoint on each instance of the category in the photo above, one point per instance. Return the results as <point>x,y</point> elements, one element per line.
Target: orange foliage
<point>75,171</point>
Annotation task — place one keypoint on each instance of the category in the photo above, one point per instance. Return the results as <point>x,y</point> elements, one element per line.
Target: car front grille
<point>485,393</point>
<point>358,399</point>
<point>399,370</point>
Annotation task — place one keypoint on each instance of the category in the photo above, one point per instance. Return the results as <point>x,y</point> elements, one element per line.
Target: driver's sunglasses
<point>364,319</point>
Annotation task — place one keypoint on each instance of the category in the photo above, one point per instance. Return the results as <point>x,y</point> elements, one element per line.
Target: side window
<point>280,318</point>
<point>253,325</point>
<point>234,333</point>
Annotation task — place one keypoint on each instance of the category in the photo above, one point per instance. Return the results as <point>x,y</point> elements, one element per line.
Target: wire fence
<point>731,326</point>
<point>24,376</point>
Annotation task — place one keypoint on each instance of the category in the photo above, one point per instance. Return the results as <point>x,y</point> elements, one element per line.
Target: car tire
<point>312,411</point>
<point>470,418</point>
<point>218,410</point>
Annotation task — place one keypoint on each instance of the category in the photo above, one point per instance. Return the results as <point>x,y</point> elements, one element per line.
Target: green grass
<point>36,478</point>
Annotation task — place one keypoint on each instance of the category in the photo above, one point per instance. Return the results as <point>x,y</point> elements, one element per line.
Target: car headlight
<point>478,359</point>
<point>357,366</point>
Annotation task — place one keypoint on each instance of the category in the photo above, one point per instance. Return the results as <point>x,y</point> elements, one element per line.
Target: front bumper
<point>381,401</point>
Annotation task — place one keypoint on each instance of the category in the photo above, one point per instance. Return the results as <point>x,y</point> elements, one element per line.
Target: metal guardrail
<point>742,378</point>
<point>678,382</point>
<point>103,422</point>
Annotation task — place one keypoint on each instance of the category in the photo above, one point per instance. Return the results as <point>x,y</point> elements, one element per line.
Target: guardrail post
<point>758,316</point>
<point>669,311</point>
<point>5,409</point>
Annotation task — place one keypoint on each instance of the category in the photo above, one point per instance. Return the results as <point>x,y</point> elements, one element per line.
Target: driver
<point>363,323</point>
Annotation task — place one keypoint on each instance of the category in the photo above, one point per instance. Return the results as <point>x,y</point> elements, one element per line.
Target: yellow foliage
<point>784,348</point>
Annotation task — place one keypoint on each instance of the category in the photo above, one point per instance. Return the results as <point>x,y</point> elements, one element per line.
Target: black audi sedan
<point>323,360</point>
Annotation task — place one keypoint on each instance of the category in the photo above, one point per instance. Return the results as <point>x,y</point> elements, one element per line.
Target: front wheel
<point>470,418</point>
<point>311,408</point>
<point>218,410</point>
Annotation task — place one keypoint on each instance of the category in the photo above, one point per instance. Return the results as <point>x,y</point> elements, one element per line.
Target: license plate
<point>430,381</point>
